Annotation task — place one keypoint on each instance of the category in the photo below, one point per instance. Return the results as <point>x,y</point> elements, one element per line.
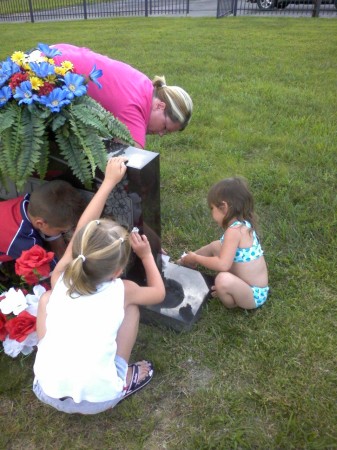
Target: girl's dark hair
<point>100,249</point>
<point>234,191</point>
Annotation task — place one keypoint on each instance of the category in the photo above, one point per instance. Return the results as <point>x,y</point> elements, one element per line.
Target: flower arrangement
<point>39,98</point>
<point>19,304</point>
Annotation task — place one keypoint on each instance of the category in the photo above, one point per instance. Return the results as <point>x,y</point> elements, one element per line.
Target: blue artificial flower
<point>94,74</point>
<point>3,79</point>
<point>74,85</point>
<point>55,100</point>
<point>43,69</point>
<point>48,51</point>
<point>7,69</point>
<point>24,93</point>
<point>5,95</point>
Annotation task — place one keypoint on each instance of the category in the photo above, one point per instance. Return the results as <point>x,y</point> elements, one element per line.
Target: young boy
<point>39,218</point>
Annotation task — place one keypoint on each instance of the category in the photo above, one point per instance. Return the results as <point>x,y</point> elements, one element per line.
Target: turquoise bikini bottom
<point>260,295</point>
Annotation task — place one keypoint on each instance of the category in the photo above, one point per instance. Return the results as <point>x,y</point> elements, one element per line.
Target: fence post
<point>317,6</point>
<point>146,8</point>
<point>188,7</point>
<point>31,11</point>
<point>218,9</point>
<point>235,7</point>
<point>85,9</point>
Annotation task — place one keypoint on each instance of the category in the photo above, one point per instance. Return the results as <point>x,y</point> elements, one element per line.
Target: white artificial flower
<point>13,348</point>
<point>15,302</point>
<point>29,343</point>
<point>35,56</point>
<point>33,299</point>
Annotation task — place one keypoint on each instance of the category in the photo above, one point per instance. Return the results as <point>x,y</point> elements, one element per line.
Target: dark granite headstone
<point>135,202</point>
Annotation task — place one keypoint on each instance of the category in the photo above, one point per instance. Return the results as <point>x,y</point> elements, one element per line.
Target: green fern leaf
<point>42,165</point>
<point>58,121</point>
<point>29,156</point>
<point>115,128</point>
<point>74,156</point>
<point>86,117</point>
<point>11,140</point>
<point>7,116</point>
<point>98,150</point>
<point>80,132</point>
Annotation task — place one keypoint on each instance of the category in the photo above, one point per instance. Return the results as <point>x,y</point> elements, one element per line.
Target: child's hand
<point>140,245</point>
<point>188,260</point>
<point>115,170</point>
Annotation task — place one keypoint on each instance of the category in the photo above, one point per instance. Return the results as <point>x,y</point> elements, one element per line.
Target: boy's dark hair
<point>58,203</point>
<point>234,191</point>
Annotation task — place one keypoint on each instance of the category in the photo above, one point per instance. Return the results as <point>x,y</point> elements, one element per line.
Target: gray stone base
<point>186,292</point>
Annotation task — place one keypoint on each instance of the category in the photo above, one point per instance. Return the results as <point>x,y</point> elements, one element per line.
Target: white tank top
<point>76,356</point>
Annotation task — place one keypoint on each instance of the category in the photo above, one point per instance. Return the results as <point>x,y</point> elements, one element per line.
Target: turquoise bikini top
<point>250,253</point>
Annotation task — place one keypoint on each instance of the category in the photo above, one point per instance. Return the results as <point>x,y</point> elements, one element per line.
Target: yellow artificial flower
<point>36,83</point>
<point>60,70</point>
<point>67,65</point>
<point>51,61</point>
<point>51,78</point>
<point>18,58</point>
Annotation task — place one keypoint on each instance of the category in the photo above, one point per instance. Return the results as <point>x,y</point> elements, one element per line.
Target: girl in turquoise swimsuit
<point>242,280</point>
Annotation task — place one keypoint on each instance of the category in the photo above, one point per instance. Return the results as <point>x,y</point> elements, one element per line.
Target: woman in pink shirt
<point>144,106</point>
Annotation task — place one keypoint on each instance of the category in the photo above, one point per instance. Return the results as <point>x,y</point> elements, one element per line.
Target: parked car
<point>281,4</point>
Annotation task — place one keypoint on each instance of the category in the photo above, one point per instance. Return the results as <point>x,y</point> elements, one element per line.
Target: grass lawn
<point>265,94</point>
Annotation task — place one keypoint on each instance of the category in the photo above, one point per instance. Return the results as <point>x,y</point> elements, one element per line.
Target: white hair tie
<point>163,85</point>
<point>121,239</point>
<point>82,257</point>
<point>97,222</point>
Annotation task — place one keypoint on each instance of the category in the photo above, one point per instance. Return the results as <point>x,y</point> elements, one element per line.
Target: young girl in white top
<point>238,257</point>
<point>88,323</point>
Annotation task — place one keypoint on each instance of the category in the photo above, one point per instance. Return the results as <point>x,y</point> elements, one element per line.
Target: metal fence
<point>296,8</point>
<point>44,10</point>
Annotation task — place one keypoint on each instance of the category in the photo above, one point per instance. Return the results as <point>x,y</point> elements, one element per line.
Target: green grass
<point>264,92</point>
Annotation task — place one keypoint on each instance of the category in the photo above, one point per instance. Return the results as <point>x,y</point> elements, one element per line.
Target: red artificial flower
<point>33,264</point>
<point>46,88</point>
<point>3,330</point>
<point>21,326</point>
<point>17,79</point>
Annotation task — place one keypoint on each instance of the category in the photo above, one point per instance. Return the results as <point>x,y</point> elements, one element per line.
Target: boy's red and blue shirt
<point>17,232</point>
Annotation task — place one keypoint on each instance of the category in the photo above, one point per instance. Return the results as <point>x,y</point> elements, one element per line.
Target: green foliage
<point>80,129</point>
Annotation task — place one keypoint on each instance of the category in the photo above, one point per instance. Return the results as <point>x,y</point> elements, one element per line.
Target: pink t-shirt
<point>126,92</point>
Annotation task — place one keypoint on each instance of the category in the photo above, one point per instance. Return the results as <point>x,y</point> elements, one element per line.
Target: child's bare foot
<point>144,368</point>
<point>213,292</point>
<point>139,375</point>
